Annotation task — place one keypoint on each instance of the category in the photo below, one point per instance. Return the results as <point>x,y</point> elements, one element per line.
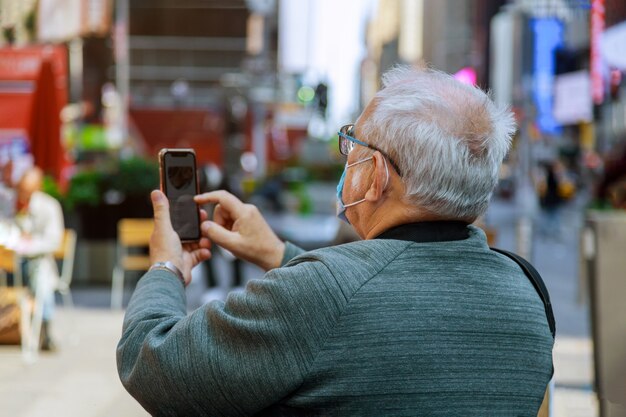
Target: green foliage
<point>51,187</point>
<point>600,205</point>
<point>92,137</point>
<point>8,33</point>
<point>30,23</point>
<point>136,176</point>
<point>86,188</point>
<point>131,177</point>
<point>305,205</point>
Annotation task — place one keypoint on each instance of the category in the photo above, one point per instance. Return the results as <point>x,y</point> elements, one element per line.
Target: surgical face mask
<point>341,207</point>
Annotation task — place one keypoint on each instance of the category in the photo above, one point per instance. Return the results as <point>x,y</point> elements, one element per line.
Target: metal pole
<point>122,67</point>
<point>76,69</point>
<point>526,197</point>
<point>258,139</point>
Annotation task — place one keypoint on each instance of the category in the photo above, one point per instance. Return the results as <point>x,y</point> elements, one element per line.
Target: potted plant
<point>97,198</point>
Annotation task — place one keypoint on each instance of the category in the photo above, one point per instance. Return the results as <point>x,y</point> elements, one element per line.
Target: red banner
<point>597,27</point>
<point>19,71</point>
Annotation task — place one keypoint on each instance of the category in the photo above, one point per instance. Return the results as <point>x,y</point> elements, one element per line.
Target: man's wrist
<point>169,266</point>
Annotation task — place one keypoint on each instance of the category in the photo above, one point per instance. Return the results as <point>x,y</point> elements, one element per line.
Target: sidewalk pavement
<point>573,394</point>
<point>80,380</point>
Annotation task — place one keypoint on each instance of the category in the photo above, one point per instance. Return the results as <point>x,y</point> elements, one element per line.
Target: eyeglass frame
<point>344,135</point>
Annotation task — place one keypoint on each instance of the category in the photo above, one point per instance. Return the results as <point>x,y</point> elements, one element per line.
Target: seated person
<point>39,218</point>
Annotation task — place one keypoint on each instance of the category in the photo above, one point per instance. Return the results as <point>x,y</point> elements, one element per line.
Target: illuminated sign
<point>548,36</point>
<point>466,75</point>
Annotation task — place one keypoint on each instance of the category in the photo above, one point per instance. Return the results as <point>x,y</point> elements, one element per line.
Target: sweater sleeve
<point>232,358</point>
<point>291,251</point>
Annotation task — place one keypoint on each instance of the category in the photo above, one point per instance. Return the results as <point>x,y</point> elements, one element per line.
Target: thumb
<point>161,208</point>
<point>220,235</point>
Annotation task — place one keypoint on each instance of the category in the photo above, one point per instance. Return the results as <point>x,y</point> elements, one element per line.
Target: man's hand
<point>241,229</point>
<point>165,244</point>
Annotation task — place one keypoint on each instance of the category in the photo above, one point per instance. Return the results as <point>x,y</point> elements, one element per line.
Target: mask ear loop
<point>359,162</point>
<point>386,182</point>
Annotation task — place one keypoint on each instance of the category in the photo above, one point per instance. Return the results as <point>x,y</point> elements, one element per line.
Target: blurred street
<point>104,101</point>
<point>84,368</point>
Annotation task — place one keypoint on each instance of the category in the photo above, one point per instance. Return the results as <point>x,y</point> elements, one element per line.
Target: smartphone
<point>179,182</point>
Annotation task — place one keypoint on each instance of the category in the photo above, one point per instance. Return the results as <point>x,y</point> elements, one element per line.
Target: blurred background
<point>90,90</point>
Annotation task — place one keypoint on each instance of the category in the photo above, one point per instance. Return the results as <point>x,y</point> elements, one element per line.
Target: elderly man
<point>420,318</point>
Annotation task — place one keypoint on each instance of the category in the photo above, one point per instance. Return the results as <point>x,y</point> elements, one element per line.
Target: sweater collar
<point>431,231</point>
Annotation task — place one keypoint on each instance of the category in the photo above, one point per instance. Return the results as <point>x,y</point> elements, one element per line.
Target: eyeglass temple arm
<point>355,140</point>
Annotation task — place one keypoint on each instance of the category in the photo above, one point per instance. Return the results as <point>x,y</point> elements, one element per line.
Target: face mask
<point>341,207</point>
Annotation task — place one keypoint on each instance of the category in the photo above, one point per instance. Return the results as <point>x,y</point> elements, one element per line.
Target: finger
<point>161,208</point>
<point>202,243</point>
<point>221,216</point>
<point>190,247</point>
<point>203,215</point>
<point>231,203</point>
<point>200,255</point>
<point>223,237</point>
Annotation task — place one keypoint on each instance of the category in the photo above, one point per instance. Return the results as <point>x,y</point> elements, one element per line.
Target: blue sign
<point>548,36</point>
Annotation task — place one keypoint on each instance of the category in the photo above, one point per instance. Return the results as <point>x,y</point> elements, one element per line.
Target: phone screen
<point>179,183</point>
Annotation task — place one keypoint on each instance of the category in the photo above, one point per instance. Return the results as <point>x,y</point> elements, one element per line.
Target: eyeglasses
<point>347,141</point>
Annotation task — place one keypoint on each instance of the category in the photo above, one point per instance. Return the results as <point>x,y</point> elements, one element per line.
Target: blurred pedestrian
<point>7,191</point>
<point>420,318</point>
<point>610,190</point>
<point>551,201</point>
<point>39,218</point>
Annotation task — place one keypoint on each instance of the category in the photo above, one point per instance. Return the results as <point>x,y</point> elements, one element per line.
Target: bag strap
<point>537,282</point>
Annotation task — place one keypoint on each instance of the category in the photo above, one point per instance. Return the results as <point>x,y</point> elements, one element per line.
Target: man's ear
<point>380,178</point>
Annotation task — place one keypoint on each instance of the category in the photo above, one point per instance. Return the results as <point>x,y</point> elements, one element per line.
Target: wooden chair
<point>131,234</point>
<point>65,254</point>
<point>32,308</point>
<point>10,263</point>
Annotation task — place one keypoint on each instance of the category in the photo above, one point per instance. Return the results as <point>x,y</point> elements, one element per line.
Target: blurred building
<point>181,52</point>
<point>447,35</point>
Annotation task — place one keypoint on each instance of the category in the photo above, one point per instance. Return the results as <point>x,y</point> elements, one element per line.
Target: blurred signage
<point>19,71</point>
<point>572,101</point>
<point>548,36</point>
<point>466,75</point>
<point>597,27</point>
<point>61,20</point>
<point>613,46</point>
<point>19,64</point>
<point>14,148</point>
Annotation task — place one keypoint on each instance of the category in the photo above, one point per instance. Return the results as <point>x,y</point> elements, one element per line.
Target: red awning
<point>45,126</point>
<point>15,110</point>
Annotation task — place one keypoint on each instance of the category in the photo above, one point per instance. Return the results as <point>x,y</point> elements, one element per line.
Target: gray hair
<point>448,139</point>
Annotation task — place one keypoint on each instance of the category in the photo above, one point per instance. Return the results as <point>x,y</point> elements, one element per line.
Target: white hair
<point>447,138</point>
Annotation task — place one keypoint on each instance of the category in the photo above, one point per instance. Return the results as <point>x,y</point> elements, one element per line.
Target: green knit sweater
<point>377,327</point>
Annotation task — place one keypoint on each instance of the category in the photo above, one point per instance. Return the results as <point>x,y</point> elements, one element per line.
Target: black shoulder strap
<point>537,282</point>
